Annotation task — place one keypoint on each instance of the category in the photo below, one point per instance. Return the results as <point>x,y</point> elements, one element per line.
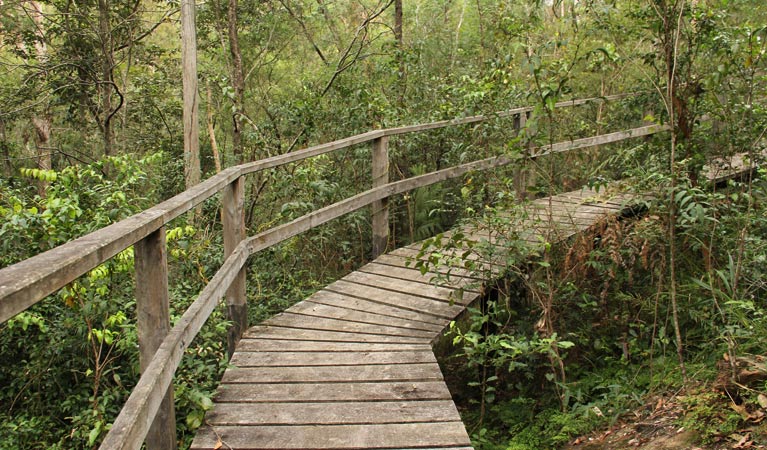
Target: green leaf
<point>94,433</point>
<point>194,419</point>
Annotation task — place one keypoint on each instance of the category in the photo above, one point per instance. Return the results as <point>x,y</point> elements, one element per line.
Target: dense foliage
<point>91,132</point>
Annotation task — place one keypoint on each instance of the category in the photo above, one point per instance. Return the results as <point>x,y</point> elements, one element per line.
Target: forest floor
<point>716,413</point>
<point>701,417</point>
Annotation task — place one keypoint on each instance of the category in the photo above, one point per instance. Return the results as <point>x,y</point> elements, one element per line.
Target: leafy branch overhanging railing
<point>148,412</point>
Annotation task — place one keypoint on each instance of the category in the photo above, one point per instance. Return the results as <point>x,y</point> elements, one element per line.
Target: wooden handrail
<point>25,283</point>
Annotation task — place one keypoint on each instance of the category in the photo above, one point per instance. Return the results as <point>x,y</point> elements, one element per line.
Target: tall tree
<point>191,107</point>
<point>238,81</point>
<point>41,122</point>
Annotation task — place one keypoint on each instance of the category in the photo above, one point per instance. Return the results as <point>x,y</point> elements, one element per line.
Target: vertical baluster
<point>153,324</point>
<point>380,214</point>
<point>234,233</point>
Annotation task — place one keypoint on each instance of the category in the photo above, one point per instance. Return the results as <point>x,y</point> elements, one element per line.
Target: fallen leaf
<point>218,445</point>
<point>762,399</point>
<point>740,409</point>
<point>744,442</point>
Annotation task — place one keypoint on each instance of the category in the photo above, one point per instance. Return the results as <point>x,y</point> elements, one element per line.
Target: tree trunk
<point>189,81</point>
<point>212,130</point>
<point>238,81</point>
<point>6,154</point>
<point>41,122</point>
<point>400,49</point>
<point>106,85</point>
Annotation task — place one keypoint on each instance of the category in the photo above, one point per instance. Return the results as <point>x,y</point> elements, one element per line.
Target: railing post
<point>234,233</point>
<point>521,174</point>
<point>153,324</point>
<point>380,214</point>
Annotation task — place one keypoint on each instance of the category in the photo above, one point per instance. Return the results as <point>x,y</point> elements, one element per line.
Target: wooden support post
<point>380,214</point>
<point>522,174</point>
<point>234,233</point>
<point>153,324</point>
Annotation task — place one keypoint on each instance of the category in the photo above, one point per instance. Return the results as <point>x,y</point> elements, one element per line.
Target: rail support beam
<point>380,213</point>
<point>153,324</point>
<point>234,232</point>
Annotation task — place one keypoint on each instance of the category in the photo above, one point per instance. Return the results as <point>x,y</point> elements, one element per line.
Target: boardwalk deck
<point>352,365</point>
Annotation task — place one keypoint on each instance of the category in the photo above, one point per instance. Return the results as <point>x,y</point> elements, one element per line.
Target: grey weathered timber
<point>354,413</point>
<point>329,298</point>
<point>234,232</point>
<point>403,261</point>
<point>444,294</point>
<point>304,321</point>
<point>341,391</point>
<point>152,326</point>
<point>411,274</point>
<point>341,374</point>
<point>272,345</point>
<point>334,437</point>
<point>736,166</point>
<point>407,302</point>
<point>309,334</point>
<point>598,140</point>
<point>310,308</point>
<point>335,359</point>
<point>380,214</point>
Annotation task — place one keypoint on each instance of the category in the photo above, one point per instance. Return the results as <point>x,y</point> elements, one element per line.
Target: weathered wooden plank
<point>310,308</point>
<point>382,436</point>
<point>602,197</point>
<point>413,288</point>
<point>588,198</point>
<point>436,308</point>
<point>289,333</point>
<point>326,297</point>
<point>332,392</point>
<point>306,359</point>
<point>733,167</point>
<point>410,274</point>
<point>545,218</point>
<point>341,413</point>
<point>564,207</point>
<point>456,257</point>
<point>328,374</point>
<point>403,261</point>
<point>301,321</point>
<point>271,345</point>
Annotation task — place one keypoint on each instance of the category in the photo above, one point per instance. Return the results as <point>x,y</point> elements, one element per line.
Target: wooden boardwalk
<point>352,366</point>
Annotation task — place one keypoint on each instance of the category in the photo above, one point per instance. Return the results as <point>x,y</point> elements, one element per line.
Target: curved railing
<point>148,412</point>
